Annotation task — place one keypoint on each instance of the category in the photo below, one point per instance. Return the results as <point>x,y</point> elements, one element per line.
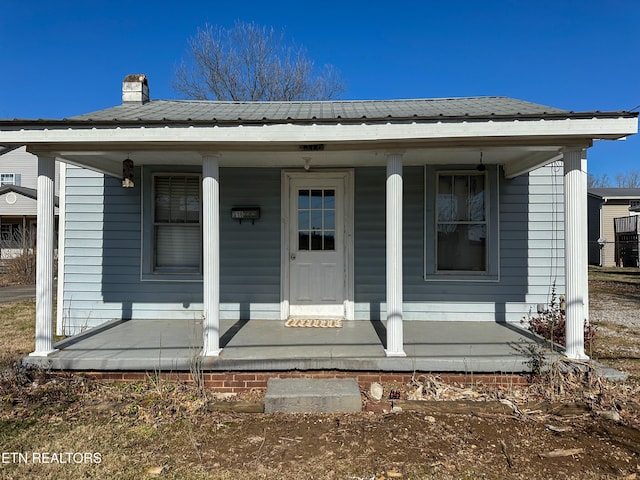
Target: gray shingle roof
<point>4,149</point>
<point>328,111</point>
<point>24,191</point>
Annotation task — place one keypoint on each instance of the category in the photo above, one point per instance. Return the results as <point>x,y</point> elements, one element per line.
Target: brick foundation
<point>239,382</point>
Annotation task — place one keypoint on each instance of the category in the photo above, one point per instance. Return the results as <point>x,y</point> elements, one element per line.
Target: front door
<point>317,267</point>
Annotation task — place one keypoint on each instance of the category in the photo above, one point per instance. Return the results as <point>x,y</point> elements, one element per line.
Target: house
<point>607,247</point>
<point>18,195</point>
<point>419,225</point>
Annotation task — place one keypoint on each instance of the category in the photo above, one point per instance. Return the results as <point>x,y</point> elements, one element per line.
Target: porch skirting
<point>241,382</point>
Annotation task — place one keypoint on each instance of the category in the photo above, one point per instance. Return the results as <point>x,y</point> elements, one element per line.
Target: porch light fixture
<point>245,213</point>
<point>127,173</point>
<point>481,167</point>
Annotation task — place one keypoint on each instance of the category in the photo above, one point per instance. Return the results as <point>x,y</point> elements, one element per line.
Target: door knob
<point>293,256</point>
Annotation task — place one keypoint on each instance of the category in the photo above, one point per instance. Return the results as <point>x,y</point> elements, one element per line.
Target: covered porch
<point>268,345</point>
<point>394,342</point>
<point>410,142</point>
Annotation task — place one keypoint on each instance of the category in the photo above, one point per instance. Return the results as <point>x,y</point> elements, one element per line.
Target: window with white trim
<point>461,224</point>
<point>461,228</point>
<point>177,232</point>
<point>7,179</point>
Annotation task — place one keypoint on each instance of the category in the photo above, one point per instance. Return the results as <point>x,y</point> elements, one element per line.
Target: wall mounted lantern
<point>127,173</point>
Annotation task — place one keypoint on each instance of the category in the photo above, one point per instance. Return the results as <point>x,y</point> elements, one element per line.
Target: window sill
<point>462,277</point>
<point>171,277</point>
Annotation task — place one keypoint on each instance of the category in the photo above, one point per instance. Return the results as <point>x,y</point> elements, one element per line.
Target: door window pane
<point>303,220</point>
<point>329,219</point>
<point>303,240</point>
<point>316,198</point>
<point>329,241</point>
<point>303,199</point>
<point>316,219</point>
<point>329,199</point>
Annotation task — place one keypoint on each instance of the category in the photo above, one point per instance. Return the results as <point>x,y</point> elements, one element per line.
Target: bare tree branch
<point>250,62</point>
<point>630,179</point>
<point>598,181</point>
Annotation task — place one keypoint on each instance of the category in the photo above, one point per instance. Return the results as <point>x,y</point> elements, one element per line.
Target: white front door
<point>317,267</point>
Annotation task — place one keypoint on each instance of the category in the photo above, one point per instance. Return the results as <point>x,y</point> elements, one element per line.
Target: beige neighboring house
<point>610,246</point>
<point>18,199</point>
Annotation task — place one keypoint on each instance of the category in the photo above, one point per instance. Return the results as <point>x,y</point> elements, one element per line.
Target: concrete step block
<point>312,395</point>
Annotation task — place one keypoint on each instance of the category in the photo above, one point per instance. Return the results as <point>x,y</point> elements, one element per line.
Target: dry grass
<point>614,304</point>
<point>17,333</point>
<point>614,274</point>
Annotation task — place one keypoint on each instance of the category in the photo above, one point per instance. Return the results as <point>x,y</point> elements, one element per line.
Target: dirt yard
<point>563,425</point>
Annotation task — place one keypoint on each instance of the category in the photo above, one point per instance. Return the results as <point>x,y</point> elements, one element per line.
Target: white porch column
<point>44,256</point>
<point>585,245</point>
<point>211,255</point>
<point>575,234</point>
<point>395,343</point>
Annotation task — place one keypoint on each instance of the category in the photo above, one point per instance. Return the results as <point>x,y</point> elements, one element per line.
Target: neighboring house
<point>18,196</point>
<point>607,247</point>
<point>383,214</point>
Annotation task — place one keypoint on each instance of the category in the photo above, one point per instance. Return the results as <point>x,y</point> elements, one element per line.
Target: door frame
<point>347,176</point>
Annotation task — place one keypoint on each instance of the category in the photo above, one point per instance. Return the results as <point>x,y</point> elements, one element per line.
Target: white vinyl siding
<point>108,246</point>
<point>109,242</point>
<point>526,249</point>
<point>612,209</point>
<point>24,168</point>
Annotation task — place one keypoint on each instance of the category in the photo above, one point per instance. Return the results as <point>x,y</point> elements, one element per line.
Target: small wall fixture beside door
<point>245,213</point>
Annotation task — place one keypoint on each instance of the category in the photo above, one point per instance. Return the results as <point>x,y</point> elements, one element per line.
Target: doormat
<point>314,322</point>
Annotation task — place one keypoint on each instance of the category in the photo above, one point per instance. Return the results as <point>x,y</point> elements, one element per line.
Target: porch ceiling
<point>516,159</point>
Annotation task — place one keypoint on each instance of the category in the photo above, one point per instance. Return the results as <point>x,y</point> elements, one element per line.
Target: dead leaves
<point>155,471</point>
<point>562,452</point>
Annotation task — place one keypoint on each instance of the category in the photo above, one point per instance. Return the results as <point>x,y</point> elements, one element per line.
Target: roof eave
<point>140,121</point>
<point>590,128</point>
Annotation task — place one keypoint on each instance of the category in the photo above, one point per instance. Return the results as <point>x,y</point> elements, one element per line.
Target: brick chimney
<point>135,89</point>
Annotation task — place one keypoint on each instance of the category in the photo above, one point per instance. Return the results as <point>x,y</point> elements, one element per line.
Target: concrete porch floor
<point>267,345</point>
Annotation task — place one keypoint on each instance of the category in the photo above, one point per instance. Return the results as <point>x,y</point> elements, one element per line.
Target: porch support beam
<point>211,255</point>
<point>395,342</point>
<point>44,256</point>
<point>575,234</point>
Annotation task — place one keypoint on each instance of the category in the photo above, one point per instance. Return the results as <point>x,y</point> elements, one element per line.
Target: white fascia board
<point>323,133</point>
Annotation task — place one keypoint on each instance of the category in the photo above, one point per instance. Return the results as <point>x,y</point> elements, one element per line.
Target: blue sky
<point>64,58</point>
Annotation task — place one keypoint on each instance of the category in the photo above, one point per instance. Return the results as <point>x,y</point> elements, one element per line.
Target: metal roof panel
<point>194,110</point>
